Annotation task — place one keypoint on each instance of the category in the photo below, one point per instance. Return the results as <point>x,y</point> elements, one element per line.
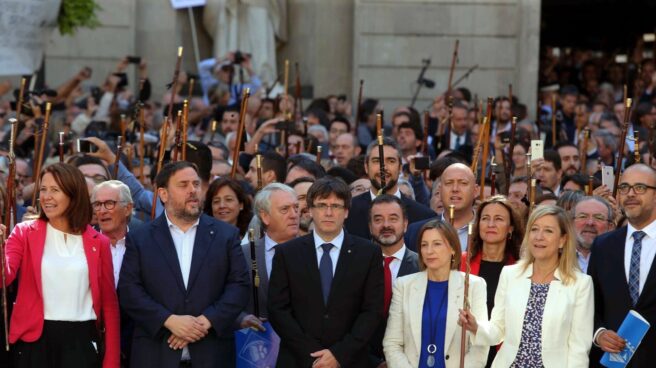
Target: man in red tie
<point>388,221</point>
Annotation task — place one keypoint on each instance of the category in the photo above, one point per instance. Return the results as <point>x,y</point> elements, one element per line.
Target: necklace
<point>431,349</point>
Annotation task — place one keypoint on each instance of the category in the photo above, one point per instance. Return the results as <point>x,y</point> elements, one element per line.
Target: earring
<point>453,259</point>
<point>560,250</point>
<point>509,235</point>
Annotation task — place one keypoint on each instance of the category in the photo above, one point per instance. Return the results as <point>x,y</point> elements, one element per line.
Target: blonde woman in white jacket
<point>422,329</point>
<point>544,307</point>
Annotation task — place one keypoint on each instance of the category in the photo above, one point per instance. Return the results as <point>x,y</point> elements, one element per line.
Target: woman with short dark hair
<point>227,201</point>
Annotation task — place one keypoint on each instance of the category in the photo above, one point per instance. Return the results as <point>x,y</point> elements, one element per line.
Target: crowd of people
<point>370,251</point>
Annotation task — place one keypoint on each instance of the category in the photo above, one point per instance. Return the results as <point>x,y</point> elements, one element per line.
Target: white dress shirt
<point>118,251</point>
<point>334,251</point>
<point>65,278</point>
<point>184,247</point>
<point>269,252</point>
<point>373,194</point>
<point>395,265</point>
<point>646,253</point>
<point>456,138</point>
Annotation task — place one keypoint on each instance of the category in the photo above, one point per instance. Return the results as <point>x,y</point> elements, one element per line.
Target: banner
<point>257,349</point>
<point>24,28</point>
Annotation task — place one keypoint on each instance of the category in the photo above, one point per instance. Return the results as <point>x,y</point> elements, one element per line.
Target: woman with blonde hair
<point>546,288</point>
<point>422,329</point>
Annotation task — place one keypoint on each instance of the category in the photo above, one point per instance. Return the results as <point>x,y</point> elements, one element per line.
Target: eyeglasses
<point>639,188</point>
<point>596,217</point>
<point>109,205</point>
<point>324,207</point>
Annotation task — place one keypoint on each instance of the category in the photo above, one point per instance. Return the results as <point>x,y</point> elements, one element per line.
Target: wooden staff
<point>285,92</point>
<point>119,147</point>
<point>528,172</point>
<point>636,147</point>
<point>61,146</point>
<point>620,154</point>
<point>584,153</point>
<point>214,124</point>
<point>254,273</point>
<point>123,125</point>
<point>298,103</point>
<point>590,185</point>
<point>10,203</point>
<point>454,59</point>
<point>258,168</point>
<point>493,176</point>
<point>185,128</point>
<point>511,150</point>
<point>192,81</point>
<point>40,153</point>
<point>381,153</point>
<point>358,109</point>
<point>142,143</point>
<point>178,142</point>
<point>424,144</point>
<point>5,314</point>
<point>479,144</point>
<point>19,102</point>
<point>240,131</point>
<point>174,84</point>
<point>319,155</point>
<point>452,214</point>
<point>486,147</point>
<point>160,160</point>
<point>465,300</point>
<point>533,190</point>
<point>553,120</point>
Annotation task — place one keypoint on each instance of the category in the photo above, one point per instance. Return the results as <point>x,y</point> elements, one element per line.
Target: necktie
<point>634,269</point>
<point>326,271</point>
<point>458,141</point>
<point>388,283</point>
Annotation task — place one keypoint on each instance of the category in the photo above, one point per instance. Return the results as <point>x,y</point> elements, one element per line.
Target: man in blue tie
<point>622,269</point>
<point>326,288</point>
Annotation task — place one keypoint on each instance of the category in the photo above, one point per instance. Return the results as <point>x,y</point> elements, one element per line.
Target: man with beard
<point>361,204</point>
<point>593,216</point>
<point>387,223</point>
<point>184,280</point>
<point>569,158</point>
<point>301,187</point>
<point>622,268</point>
<point>277,208</point>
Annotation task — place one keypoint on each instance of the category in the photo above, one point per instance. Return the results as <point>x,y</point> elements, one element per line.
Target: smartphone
<point>537,149</point>
<point>621,58</point>
<point>84,146</point>
<point>286,125</point>
<point>422,163</point>
<point>134,59</point>
<point>607,177</point>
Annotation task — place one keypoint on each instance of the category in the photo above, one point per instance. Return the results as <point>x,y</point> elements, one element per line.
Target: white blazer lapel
<point>417,296</point>
<point>456,290</point>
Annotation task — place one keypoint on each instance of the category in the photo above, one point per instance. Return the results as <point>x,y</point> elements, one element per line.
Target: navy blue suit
<point>151,289</point>
<point>412,233</point>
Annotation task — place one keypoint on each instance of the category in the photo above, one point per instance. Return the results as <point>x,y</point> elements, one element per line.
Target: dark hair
<point>580,180</point>
<point>387,198</point>
<point>513,243</point>
<point>90,160</point>
<point>643,108</point>
<point>356,166</point>
<point>168,170</point>
<point>311,167</point>
<point>466,93</point>
<point>568,200</point>
<point>73,184</point>
<point>569,90</point>
<point>419,135</point>
<point>339,119</point>
<point>449,234</point>
<point>273,161</point>
<point>199,153</point>
<point>562,144</point>
<point>324,187</point>
<point>609,116</point>
<point>367,108</point>
<point>319,104</point>
<point>343,173</point>
<point>321,114</point>
<point>387,141</point>
<point>245,215</point>
<point>303,179</point>
<point>438,166</point>
<point>553,157</point>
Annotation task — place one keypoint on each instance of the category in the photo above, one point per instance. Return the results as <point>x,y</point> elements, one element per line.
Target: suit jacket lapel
<point>36,241</point>
<point>92,252</point>
<point>456,290</point>
<point>407,266</point>
<point>309,257</point>
<point>205,234</point>
<point>161,235</point>
<point>260,257</point>
<point>417,297</point>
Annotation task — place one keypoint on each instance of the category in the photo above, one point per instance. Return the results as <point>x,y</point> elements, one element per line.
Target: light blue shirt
<point>462,232</point>
<point>334,251</point>
<point>269,252</point>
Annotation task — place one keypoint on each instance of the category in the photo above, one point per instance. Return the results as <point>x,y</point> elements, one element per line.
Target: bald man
<point>345,148</point>
<point>458,188</point>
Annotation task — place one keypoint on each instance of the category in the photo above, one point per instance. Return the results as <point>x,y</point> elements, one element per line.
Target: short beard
<point>304,224</point>
<point>376,184</point>
<point>187,216</point>
<point>387,242</point>
<point>582,243</point>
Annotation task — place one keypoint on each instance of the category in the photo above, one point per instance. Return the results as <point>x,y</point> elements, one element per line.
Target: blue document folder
<point>257,349</point>
<point>633,329</point>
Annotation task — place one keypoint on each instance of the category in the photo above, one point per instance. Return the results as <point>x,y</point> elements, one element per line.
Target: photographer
<point>221,74</point>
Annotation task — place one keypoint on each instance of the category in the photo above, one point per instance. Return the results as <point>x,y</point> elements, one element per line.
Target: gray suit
<point>264,278</point>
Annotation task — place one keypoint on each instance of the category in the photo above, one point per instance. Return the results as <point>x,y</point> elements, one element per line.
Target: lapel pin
<point>348,251</point>
<point>94,248</point>
<point>211,232</point>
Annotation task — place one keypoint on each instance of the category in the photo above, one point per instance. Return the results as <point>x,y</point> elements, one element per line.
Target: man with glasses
<point>593,216</point>
<point>326,288</point>
<point>622,269</point>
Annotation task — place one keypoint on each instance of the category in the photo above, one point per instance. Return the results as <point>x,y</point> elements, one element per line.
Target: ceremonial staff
<point>479,143</point>
<point>142,142</point>
<point>584,154</point>
<point>532,197</point>
<point>319,155</point>
<point>160,160</point>
<point>214,123</point>
<point>258,168</point>
<point>185,128</point>
<point>123,125</point>
<point>553,120</point>
<point>511,150</point>
<point>117,159</point>
<point>298,102</point>
<point>620,154</point>
<point>40,153</point>
<point>486,147</point>
<point>454,59</point>
<point>240,132</point>
<point>465,300</point>
<point>174,83</point>
<point>192,81</point>
<point>493,176</point>
<point>10,203</point>
<point>178,142</point>
<point>530,175</point>
<point>590,185</point>
<point>285,92</point>
<point>424,147</point>
<point>381,153</point>
<point>5,314</point>
<point>61,146</point>
<point>358,109</point>
<point>254,274</point>
<point>636,147</point>
<point>452,214</point>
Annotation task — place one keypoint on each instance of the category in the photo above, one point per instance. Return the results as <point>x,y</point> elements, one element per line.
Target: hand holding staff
<point>240,132</point>
<point>254,274</point>
<point>465,300</point>
<point>620,153</point>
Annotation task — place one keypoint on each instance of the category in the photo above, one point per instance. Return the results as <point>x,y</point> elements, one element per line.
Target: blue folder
<point>257,349</point>
<point>633,330</point>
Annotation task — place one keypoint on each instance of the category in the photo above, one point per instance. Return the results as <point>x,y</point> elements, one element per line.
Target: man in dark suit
<point>623,270</point>
<point>355,224</point>
<point>388,222</point>
<point>458,188</point>
<point>277,208</point>
<point>456,135</point>
<point>184,280</point>
<point>326,288</point>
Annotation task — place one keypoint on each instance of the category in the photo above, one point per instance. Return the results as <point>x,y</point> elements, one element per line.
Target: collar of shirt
<point>397,194</point>
<point>580,255</point>
<point>399,254</point>
<point>269,244</point>
<point>650,230</point>
<point>174,226</point>
<point>121,242</point>
<point>459,229</point>
<point>337,242</point>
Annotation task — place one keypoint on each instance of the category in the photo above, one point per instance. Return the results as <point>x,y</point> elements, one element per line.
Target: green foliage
<point>74,14</point>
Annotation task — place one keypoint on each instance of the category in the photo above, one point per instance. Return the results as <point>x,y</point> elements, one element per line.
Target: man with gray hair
<point>593,216</point>
<point>277,209</point>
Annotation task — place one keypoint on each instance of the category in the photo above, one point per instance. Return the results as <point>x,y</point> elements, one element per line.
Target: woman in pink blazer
<point>66,313</point>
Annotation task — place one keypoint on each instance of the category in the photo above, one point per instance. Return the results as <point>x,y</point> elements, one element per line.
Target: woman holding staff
<point>548,290</point>
<point>422,329</point>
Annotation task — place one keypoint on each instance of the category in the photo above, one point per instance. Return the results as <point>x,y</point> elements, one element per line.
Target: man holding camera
<point>221,74</point>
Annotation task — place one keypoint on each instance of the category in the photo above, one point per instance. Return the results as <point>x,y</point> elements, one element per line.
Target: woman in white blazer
<point>543,309</point>
<point>422,329</point>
